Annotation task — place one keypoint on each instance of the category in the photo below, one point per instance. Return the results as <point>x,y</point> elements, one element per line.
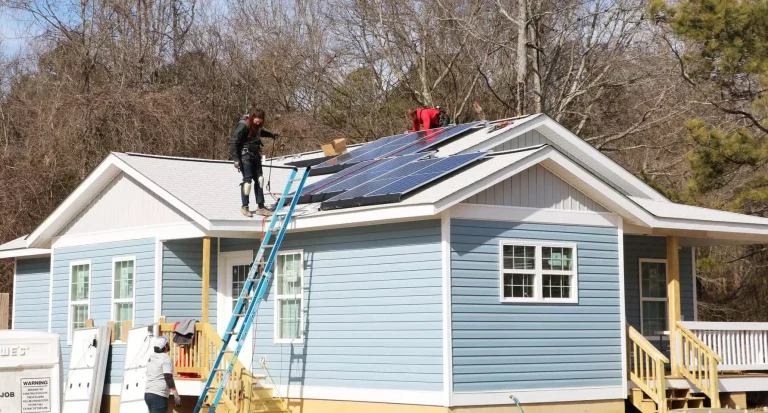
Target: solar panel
<point>391,187</point>
<point>354,176</point>
<point>393,146</point>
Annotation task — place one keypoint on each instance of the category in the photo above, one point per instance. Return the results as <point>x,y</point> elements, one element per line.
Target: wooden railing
<point>646,368</point>
<point>697,362</point>
<point>742,346</point>
<point>198,358</point>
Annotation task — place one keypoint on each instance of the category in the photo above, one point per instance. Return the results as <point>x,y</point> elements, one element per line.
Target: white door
<point>233,271</point>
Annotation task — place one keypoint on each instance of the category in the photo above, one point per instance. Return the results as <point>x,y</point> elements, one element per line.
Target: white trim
<point>224,293</point>
<point>538,272</point>
<point>415,397</point>
<point>693,281</point>
<point>112,299</point>
<point>69,295</point>
<point>664,300</point>
<point>487,398</point>
<point>300,296</point>
<point>445,242</point>
<point>537,215</point>
<point>622,301</point>
<point>50,295</point>
<point>15,282</point>
<point>25,252</point>
<point>158,284</point>
<point>161,232</point>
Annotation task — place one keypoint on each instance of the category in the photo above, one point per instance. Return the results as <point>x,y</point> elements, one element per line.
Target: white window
<point>79,296</point>
<point>653,296</point>
<point>538,272</point>
<point>289,301</point>
<point>123,293</point>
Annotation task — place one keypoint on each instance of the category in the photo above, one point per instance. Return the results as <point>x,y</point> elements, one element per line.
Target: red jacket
<point>426,119</point>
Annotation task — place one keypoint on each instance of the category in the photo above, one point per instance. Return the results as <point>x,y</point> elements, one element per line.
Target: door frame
<point>224,295</point>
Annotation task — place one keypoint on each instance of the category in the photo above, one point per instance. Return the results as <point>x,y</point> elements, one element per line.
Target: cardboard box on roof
<point>336,147</point>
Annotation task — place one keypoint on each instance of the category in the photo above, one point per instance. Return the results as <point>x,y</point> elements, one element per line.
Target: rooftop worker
<point>160,378</point>
<point>245,148</point>
<point>427,118</point>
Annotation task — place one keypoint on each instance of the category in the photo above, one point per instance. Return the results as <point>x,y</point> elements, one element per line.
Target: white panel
<point>87,370</point>
<point>536,187</point>
<point>137,354</point>
<point>124,203</point>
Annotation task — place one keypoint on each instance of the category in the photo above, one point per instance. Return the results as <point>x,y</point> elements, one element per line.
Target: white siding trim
<point>415,397</point>
<point>50,295</point>
<point>15,283</point>
<point>622,305</point>
<point>25,252</point>
<point>158,298</point>
<point>693,281</point>
<point>539,215</point>
<point>539,396</point>
<point>162,232</point>
<point>445,232</point>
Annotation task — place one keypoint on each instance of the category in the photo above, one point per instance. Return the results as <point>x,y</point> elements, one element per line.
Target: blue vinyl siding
<point>33,284</point>
<point>101,256</point>
<point>639,246</point>
<point>372,309</point>
<point>533,346</point>
<point>182,280</point>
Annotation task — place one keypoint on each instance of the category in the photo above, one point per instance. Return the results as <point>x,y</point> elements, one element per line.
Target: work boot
<point>246,212</point>
<point>264,212</point>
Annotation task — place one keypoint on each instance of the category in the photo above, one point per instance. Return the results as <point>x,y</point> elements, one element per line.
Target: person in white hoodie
<point>160,382</point>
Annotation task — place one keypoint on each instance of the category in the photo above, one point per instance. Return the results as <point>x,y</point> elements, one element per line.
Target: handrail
<point>698,363</point>
<point>645,364</point>
<point>742,346</point>
<point>198,359</point>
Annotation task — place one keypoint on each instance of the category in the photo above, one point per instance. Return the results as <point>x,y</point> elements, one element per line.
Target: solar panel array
<point>392,186</point>
<point>397,145</point>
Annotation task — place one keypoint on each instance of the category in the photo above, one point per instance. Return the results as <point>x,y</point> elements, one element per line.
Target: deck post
<point>673,297</point>
<point>206,278</point>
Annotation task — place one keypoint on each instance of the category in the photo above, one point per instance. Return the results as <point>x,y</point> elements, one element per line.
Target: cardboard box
<point>336,147</point>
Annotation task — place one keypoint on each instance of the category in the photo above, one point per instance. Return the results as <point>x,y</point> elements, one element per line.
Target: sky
<point>13,32</point>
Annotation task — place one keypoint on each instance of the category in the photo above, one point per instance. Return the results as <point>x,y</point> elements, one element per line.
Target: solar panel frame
<point>356,175</point>
<point>402,145</point>
<point>392,187</point>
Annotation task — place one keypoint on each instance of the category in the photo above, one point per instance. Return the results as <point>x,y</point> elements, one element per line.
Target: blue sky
<point>14,31</point>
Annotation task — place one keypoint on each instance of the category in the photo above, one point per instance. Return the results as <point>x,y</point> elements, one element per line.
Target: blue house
<point>545,271</point>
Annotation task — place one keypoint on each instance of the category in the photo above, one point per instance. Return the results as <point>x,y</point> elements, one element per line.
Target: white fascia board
<point>104,173</point>
<point>600,162</point>
<point>537,215</point>
<point>340,219</point>
<point>754,233</point>
<point>596,189</point>
<point>162,193</point>
<point>160,232</point>
<point>507,134</point>
<point>502,397</point>
<point>26,253</point>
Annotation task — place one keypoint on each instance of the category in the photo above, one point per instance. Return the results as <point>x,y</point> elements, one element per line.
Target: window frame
<point>70,303</point>
<point>114,301</point>
<point>280,297</point>
<point>538,280</point>
<point>653,299</point>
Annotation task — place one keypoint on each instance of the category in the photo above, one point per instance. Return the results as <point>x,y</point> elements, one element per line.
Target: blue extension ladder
<point>244,319</point>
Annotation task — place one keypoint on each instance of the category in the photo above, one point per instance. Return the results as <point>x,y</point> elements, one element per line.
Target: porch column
<point>206,277</point>
<point>673,297</point>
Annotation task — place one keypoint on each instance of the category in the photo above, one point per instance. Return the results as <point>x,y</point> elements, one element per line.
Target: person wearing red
<point>424,118</point>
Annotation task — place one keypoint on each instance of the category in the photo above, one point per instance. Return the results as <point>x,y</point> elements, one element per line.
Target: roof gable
<point>123,203</point>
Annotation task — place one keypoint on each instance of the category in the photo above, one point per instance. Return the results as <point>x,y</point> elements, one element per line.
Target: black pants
<point>251,169</point>
<point>155,403</point>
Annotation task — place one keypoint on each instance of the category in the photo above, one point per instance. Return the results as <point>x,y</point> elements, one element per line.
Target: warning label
<point>35,395</point>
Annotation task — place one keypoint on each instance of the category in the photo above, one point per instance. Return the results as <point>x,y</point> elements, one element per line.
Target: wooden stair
<point>262,400</point>
<point>676,399</point>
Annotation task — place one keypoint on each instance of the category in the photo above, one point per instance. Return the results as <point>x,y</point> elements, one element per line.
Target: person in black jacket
<point>245,149</point>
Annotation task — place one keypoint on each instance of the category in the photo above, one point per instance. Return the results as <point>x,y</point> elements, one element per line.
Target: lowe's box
<point>30,372</point>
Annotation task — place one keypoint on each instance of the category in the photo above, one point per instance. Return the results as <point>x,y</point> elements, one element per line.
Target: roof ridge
<point>177,158</point>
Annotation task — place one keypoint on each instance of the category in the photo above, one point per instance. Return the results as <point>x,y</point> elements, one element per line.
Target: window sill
<point>538,301</point>
<point>291,341</point>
